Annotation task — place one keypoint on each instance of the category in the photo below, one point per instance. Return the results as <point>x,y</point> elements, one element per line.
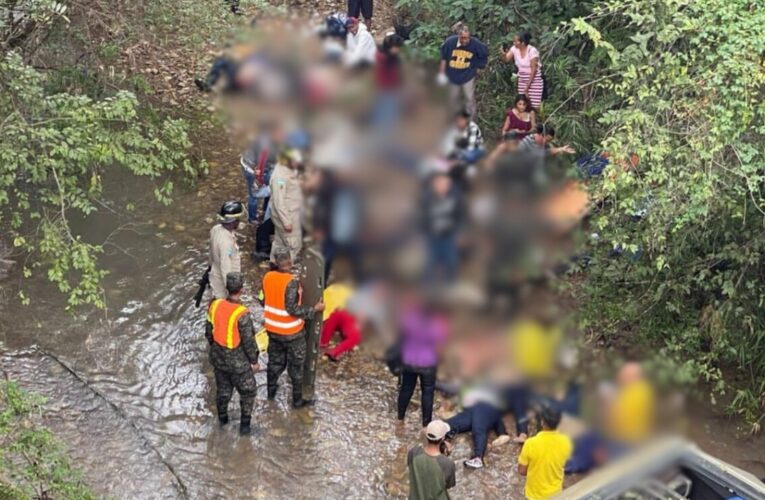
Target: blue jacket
<point>463,62</point>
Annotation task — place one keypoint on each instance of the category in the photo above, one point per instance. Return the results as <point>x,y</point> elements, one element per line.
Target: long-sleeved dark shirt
<point>235,360</point>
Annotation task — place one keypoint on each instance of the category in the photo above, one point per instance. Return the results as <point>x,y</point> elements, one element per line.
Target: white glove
<point>442,79</point>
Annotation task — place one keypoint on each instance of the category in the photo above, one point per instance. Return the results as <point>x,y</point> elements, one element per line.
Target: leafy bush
<point>32,463</point>
<point>53,149</point>
<point>679,85</point>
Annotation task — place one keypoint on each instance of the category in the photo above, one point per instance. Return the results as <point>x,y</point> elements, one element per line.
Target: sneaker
<point>474,463</point>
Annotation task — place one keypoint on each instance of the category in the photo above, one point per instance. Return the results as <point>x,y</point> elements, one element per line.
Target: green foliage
<point>679,84</point>
<point>54,149</point>
<point>689,81</point>
<point>32,462</point>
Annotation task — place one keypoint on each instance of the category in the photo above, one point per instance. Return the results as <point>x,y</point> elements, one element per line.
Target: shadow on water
<point>136,409</point>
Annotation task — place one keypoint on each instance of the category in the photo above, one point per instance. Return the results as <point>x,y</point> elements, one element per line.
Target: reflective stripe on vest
<point>224,316</point>
<point>277,319</point>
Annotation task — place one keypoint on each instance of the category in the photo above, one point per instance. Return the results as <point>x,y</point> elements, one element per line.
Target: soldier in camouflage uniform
<point>284,317</point>
<point>233,353</point>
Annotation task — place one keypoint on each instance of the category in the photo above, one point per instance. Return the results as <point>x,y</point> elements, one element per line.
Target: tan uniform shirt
<point>224,259</point>
<point>286,206</point>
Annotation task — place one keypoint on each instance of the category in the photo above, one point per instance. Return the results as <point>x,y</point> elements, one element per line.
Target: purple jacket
<point>423,333</point>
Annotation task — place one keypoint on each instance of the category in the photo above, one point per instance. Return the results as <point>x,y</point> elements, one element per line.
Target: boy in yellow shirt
<point>543,457</point>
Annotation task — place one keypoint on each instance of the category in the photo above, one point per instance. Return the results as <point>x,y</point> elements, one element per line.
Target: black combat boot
<point>244,427</point>
<point>299,402</point>
<point>223,419</point>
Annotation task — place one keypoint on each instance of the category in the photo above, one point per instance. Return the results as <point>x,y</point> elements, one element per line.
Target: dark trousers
<point>409,378</point>
<point>363,7</point>
<point>223,66</point>
<point>479,420</point>
<point>352,251</point>
<point>286,354</point>
<point>263,237</point>
<point>245,385</point>
<point>517,399</point>
<point>443,257</point>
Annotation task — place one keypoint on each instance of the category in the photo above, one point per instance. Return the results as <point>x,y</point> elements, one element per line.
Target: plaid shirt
<point>473,134</point>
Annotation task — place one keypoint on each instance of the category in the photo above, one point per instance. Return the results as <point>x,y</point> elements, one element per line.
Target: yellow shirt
<point>336,297</point>
<point>533,348</point>
<point>545,455</point>
<point>631,417</point>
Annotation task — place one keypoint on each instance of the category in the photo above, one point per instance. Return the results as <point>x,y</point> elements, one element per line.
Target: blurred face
<point>394,51</point>
<point>441,184</point>
<point>464,37</point>
<point>521,106</point>
<point>461,122</point>
<point>517,42</point>
<point>354,28</point>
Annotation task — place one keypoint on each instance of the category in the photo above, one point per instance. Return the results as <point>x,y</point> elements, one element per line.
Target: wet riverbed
<point>131,393</point>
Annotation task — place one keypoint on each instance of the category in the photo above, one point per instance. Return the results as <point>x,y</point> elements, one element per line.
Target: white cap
<point>437,430</point>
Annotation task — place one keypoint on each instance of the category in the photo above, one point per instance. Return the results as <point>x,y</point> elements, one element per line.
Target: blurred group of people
<point>420,228</point>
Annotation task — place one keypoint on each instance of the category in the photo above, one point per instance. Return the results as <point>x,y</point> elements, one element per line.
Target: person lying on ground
<point>338,319</point>
<point>482,412</point>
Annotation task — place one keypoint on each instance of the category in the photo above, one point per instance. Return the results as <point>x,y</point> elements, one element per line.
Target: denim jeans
<point>479,420</point>
<point>443,257</point>
<point>472,156</point>
<point>252,201</point>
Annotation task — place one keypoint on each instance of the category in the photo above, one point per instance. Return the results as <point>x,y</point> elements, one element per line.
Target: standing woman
<point>526,58</point>
<point>520,119</point>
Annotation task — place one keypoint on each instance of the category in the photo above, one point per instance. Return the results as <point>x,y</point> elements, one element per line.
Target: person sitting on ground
<point>520,119</point>
<point>464,140</point>
<point>541,140</point>
<point>544,456</point>
<point>337,318</point>
<point>483,409</point>
<point>431,473</point>
<point>360,47</point>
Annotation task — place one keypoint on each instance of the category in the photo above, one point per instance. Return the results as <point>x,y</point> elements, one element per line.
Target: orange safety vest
<point>277,319</point>
<point>224,317</point>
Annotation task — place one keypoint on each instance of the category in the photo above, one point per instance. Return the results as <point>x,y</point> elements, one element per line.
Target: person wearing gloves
<point>462,57</point>
<point>360,47</point>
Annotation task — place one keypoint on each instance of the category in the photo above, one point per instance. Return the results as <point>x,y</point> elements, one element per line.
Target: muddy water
<point>131,393</point>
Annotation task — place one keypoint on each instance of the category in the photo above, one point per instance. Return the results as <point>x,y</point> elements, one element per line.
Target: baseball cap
<point>437,430</point>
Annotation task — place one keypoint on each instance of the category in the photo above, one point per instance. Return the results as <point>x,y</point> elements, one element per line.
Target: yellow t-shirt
<point>545,455</point>
<point>631,417</point>
<point>533,348</point>
<point>336,297</point>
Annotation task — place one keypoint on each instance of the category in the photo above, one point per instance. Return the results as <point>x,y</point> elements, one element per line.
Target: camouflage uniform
<point>233,370</point>
<point>289,351</point>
